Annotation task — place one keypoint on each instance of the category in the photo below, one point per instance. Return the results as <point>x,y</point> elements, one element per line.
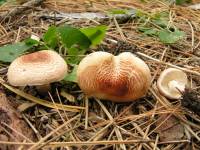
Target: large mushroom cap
<point>38,68</point>
<point>171,81</point>
<point>117,78</point>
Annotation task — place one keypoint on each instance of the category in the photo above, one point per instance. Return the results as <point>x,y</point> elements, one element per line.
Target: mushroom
<point>119,78</point>
<point>37,69</point>
<point>172,82</point>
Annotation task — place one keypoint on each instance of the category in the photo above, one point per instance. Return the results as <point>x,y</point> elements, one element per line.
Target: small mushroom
<point>37,69</point>
<point>172,82</point>
<point>119,78</point>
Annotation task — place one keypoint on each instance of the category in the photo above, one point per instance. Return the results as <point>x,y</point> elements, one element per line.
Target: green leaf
<point>72,76</point>
<point>71,36</point>
<point>161,22</point>
<point>140,13</point>
<point>10,52</point>
<point>161,19</point>
<point>2,1</point>
<point>160,15</point>
<point>73,55</point>
<point>168,37</point>
<point>50,38</point>
<point>180,2</point>
<point>148,31</point>
<point>117,11</point>
<point>95,34</point>
<point>31,42</point>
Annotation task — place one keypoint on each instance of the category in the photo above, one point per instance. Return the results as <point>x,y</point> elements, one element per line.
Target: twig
<point>142,133</point>
<point>58,144</point>
<point>100,131</point>
<point>51,97</point>
<point>156,142</point>
<point>81,143</point>
<point>20,9</point>
<point>192,132</point>
<point>174,142</point>
<point>58,95</point>
<point>32,127</point>
<point>118,133</point>
<point>51,133</point>
<point>40,101</point>
<point>86,113</point>
<point>192,34</point>
<point>92,16</point>
<point>57,136</point>
<point>119,30</point>
<point>168,64</point>
<point>17,132</point>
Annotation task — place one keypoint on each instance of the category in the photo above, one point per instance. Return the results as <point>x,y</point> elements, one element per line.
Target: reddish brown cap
<point>118,78</point>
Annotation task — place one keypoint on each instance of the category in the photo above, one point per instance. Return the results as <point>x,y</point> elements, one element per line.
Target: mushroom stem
<point>43,89</point>
<point>176,86</point>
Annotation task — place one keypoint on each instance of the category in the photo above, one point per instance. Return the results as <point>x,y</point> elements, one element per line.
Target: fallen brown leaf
<point>12,127</point>
<point>169,128</point>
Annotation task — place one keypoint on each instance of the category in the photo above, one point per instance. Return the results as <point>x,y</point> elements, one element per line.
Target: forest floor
<point>163,34</point>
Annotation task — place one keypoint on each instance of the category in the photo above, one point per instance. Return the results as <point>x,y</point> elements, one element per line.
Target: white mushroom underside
<point>171,82</point>
<point>22,73</point>
<point>176,87</point>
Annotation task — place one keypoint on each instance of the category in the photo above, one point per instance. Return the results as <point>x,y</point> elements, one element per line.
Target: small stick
<point>17,132</point>
<point>192,132</point>
<point>51,97</point>
<point>142,133</point>
<point>169,64</point>
<point>117,132</point>
<point>100,131</point>
<point>32,127</point>
<point>165,63</point>
<point>174,142</point>
<point>80,143</point>
<point>119,29</point>
<point>51,133</point>
<point>156,142</point>
<point>86,113</point>
<point>192,34</point>
<point>20,9</point>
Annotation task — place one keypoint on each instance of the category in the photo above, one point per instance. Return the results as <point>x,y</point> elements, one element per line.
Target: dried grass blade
<point>41,101</point>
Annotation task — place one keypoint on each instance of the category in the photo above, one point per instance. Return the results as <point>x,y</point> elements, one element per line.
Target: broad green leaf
<point>74,55</point>
<point>161,19</point>
<point>180,2</point>
<point>31,42</point>
<point>151,32</point>
<point>72,76</point>
<point>2,1</point>
<point>95,34</point>
<point>50,38</point>
<point>148,31</point>
<point>161,22</point>
<point>72,36</point>
<point>168,37</point>
<point>10,52</point>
